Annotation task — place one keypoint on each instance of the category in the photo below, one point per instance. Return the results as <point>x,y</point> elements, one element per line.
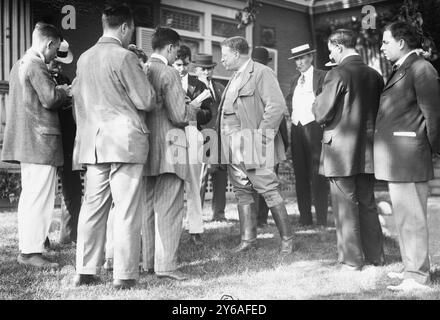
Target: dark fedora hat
<point>204,60</point>
<point>261,55</point>
<point>301,50</point>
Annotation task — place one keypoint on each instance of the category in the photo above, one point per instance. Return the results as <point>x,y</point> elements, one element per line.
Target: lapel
<point>220,106</point>
<point>401,72</point>
<point>247,73</point>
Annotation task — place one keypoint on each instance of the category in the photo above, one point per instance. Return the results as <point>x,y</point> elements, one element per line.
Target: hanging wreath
<point>248,14</point>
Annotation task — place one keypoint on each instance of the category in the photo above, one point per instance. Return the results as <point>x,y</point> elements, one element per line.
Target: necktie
<point>302,80</point>
<point>211,88</point>
<point>393,72</point>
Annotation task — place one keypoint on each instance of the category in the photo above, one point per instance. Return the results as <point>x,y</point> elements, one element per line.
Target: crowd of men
<point>348,128</point>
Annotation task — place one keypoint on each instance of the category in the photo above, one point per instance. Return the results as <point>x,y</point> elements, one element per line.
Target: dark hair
<point>163,37</point>
<point>404,31</point>
<point>139,52</point>
<point>48,31</point>
<point>115,14</point>
<point>237,44</point>
<point>183,52</point>
<point>343,37</point>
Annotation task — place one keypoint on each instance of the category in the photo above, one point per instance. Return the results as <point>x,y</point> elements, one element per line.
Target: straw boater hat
<point>204,60</point>
<point>64,55</point>
<point>260,54</point>
<point>301,50</point>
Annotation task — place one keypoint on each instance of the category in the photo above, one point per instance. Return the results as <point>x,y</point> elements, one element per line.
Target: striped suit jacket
<point>171,113</point>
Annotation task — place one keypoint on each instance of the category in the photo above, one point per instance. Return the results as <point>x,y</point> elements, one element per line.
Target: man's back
<point>347,107</point>
<point>111,91</point>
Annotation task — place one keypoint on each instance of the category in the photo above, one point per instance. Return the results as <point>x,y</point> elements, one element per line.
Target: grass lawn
<point>311,272</point>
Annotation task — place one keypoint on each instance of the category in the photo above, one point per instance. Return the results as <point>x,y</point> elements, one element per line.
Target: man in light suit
<point>193,88</point>
<point>249,117</point>
<point>33,139</point>
<point>347,108</point>
<point>204,69</point>
<point>162,225</point>
<point>406,138</point>
<point>306,137</point>
<point>111,96</point>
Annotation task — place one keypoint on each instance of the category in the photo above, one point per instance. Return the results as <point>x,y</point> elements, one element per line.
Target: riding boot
<point>279,214</point>
<point>248,228</point>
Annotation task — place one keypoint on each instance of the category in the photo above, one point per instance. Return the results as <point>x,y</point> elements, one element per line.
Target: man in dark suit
<point>70,180</point>
<point>204,69</point>
<point>306,137</point>
<point>193,89</point>
<point>407,136</point>
<point>33,139</point>
<point>347,108</point>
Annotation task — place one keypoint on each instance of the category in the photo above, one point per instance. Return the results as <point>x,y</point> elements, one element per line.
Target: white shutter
<point>143,39</point>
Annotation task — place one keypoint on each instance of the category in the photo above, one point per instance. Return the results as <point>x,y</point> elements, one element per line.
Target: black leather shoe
<point>149,271</point>
<point>173,275</point>
<point>196,239</point>
<point>85,280</point>
<point>125,284</point>
<point>245,246</point>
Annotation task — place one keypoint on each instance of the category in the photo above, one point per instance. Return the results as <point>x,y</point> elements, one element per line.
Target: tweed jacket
<point>408,123</point>
<point>259,104</point>
<point>347,108</point>
<point>32,132</point>
<point>111,94</point>
<point>170,116</point>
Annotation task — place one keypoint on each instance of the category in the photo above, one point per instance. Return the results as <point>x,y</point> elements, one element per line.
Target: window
<point>226,28</point>
<point>177,19</point>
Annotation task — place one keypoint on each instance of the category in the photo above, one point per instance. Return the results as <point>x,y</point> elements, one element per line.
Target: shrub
<point>10,186</point>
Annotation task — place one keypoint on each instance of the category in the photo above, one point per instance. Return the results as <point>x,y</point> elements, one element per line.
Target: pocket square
<point>404,134</point>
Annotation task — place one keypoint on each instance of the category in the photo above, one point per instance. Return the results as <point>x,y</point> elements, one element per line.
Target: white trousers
<point>36,206</point>
<point>194,212</point>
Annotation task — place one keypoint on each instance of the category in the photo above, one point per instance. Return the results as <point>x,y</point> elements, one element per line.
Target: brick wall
<point>292,28</point>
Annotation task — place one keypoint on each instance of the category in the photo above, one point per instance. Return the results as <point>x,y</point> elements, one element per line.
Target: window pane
<point>216,57</point>
<point>180,20</point>
<point>226,28</point>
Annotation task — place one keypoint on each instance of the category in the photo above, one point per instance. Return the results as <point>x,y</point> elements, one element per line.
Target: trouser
<point>162,223</point>
<point>410,202</point>
<point>261,206</point>
<point>194,212</point>
<point>71,204</point>
<point>219,180</point>
<point>306,152</point>
<point>358,230</point>
<point>121,184</point>
<point>35,206</point>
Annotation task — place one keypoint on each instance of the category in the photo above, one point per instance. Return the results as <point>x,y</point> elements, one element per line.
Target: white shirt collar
<point>402,60</point>
<point>349,55</point>
<point>244,66</point>
<point>160,57</point>
<point>308,73</point>
<point>39,54</point>
<point>109,36</point>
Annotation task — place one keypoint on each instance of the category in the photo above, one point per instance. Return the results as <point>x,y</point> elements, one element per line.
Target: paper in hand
<point>203,96</point>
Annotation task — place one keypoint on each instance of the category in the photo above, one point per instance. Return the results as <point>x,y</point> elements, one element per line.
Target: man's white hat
<point>301,50</point>
<point>64,55</point>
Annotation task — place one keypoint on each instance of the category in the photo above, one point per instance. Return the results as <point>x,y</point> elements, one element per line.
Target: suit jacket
<point>32,132</point>
<point>347,108</point>
<point>195,88</point>
<point>408,123</point>
<point>218,93</point>
<point>111,94</point>
<point>259,104</point>
<point>170,115</point>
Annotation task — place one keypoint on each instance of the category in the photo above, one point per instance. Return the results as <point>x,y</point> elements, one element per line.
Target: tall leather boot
<point>248,228</point>
<point>279,214</point>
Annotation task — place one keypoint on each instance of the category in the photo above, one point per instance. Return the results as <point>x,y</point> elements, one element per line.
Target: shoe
<point>196,239</point>
<point>347,267</point>
<point>85,280</point>
<point>219,219</point>
<point>395,275</point>
<point>125,284</point>
<point>47,244</point>
<point>409,285</point>
<point>149,271</point>
<point>286,246</point>
<point>36,260</point>
<point>108,265</point>
<point>174,275</point>
<point>244,246</point>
